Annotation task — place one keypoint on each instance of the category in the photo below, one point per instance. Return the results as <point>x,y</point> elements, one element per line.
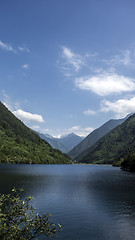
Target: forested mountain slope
<point>19,144</point>
<point>93,137</point>
<point>114,146</point>
<point>53,142</point>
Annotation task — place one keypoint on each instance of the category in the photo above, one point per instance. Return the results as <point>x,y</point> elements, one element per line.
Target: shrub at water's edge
<point>128,163</point>
<point>19,144</point>
<point>19,221</point>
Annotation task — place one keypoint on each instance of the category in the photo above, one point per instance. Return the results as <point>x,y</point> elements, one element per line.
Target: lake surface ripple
<point>92,202</point>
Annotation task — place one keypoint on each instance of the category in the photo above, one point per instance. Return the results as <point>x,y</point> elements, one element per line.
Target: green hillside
<point>114,147</point>
<point>82,148</point>
<point>19,144</point>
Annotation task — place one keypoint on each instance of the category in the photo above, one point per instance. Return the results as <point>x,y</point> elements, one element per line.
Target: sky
<point>67,65</point>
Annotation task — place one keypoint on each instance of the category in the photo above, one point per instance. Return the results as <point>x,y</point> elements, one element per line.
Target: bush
<point>18,220</point>
<point>129,163</point>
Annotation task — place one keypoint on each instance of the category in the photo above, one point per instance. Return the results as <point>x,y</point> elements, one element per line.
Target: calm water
<point>92,202</point>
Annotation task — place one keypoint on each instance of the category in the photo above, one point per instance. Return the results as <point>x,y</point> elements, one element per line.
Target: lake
<point>92,202</point>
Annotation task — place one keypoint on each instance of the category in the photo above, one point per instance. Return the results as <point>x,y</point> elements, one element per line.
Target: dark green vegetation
<point>80,150</point>
<point>19,221</point>
<point>129,163</point>
<point>19,144</point>
<point>117,147</point>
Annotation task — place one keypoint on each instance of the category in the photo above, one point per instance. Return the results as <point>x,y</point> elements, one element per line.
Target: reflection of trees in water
<point>29,181</point>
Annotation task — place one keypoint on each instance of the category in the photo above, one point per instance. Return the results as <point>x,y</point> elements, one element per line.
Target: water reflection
<point>92,202</point>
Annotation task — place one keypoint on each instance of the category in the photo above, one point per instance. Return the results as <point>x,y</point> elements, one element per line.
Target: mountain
<point>93,137</point>
<point>19,144</point>
<point>54,142</point>
<point>116,146</point>
<point>65,143</point>
<point>70,141</point>
<point>48,136</point>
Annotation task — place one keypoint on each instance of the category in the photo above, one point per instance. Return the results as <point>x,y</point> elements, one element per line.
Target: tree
<point>129,163</point>
<point>18,220</point>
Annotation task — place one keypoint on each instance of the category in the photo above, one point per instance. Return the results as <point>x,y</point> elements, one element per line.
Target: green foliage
<point>129,163</point>
<point>114,146</point>
<point>79,151</point>
<point>18,220</point>
<point>19,144</point>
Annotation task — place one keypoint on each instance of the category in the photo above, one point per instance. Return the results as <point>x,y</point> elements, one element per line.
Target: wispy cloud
<point>91,63</point>
<point>89,112</point>
<point>71,63</point>
<point>72,59</point>
<point>105,83</point>
<point>7,47</point>
<point>35,127</point>
<point>24,49</point>
<point>78,130</point>
<point>25,66</point>
<point>7,101</point>
<point>27,116</point>
<point>123,58</point>
<point>120,108</point>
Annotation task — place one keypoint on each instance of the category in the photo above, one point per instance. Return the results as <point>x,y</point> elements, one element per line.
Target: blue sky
<point>67,66</point>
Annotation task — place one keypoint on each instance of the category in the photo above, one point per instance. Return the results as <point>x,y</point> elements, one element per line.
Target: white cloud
<point>72,60</point>
<point>106,83</point>
<point>24,49</point>
<point>26,116</point>
<point>89,112</point>
<point>25,66</point>
<point>121,107</point>
<point>78,130</point>
<point>124,58</point>
<point>71,63</point>
<point>7,47</point>
<point>7,101</point>
<point>35,127</point>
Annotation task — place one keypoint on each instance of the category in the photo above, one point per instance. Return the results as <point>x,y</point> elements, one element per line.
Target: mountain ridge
<point>114,146</point>
<point>65,143</point>
<point>93,137</point>
<point>20,144</point>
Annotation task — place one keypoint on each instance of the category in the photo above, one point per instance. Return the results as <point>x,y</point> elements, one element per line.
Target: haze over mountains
<point>64,143</point>
<point>112,143</point>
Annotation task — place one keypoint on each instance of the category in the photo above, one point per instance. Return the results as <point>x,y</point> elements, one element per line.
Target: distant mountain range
<point>112,143</point>
<point>79,151</point>
<point>64,144</point>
